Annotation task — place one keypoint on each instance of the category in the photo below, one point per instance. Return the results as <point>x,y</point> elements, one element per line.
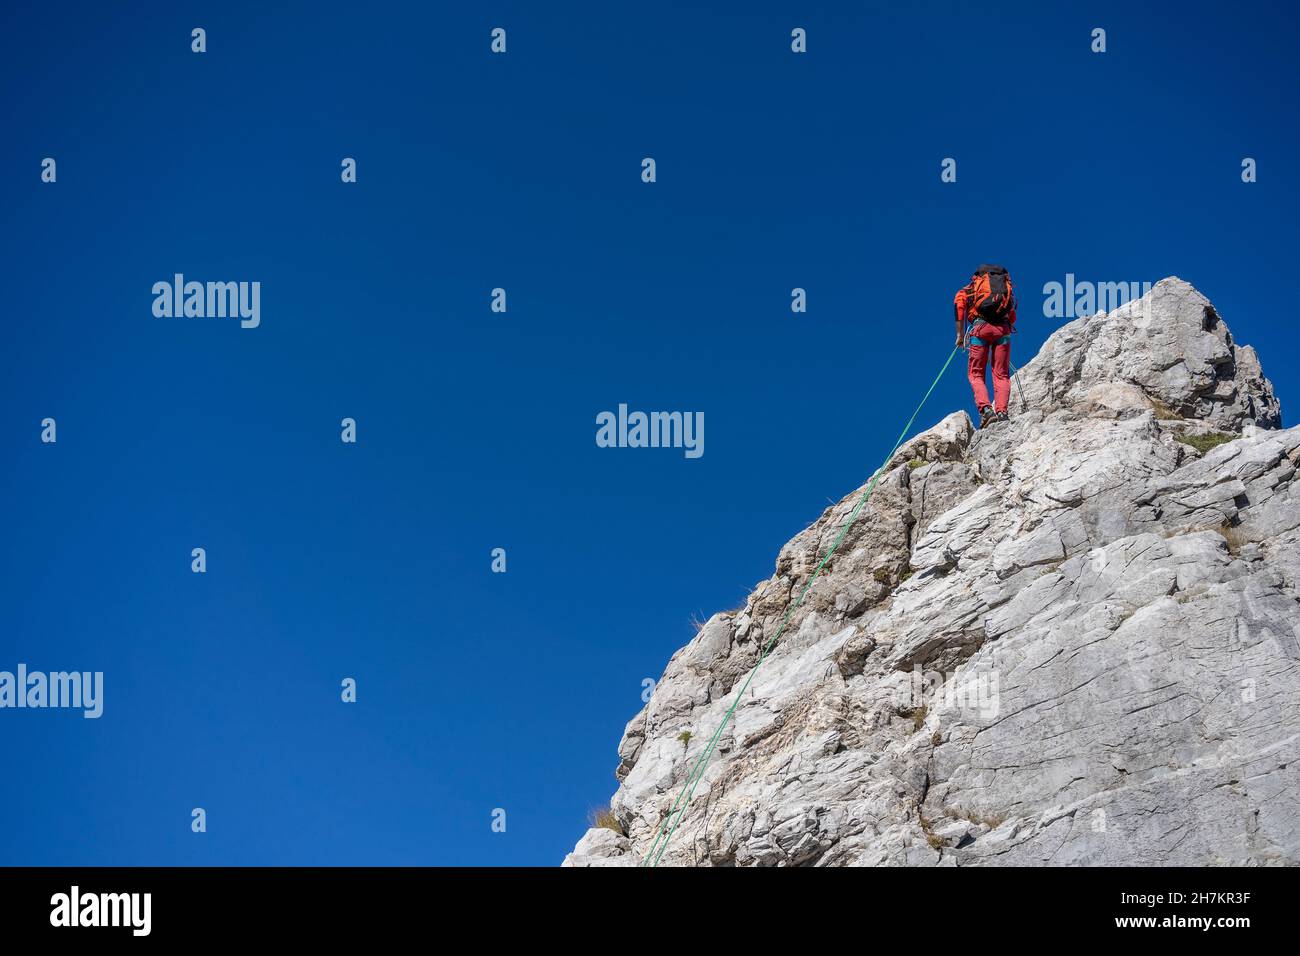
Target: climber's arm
<point>959,312</point>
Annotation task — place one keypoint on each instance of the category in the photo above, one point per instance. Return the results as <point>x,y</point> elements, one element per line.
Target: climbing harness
<point>668,826</point>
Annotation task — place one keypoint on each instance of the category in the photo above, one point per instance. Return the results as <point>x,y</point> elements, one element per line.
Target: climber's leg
<point>979,356</point>
<point>1001,374</point>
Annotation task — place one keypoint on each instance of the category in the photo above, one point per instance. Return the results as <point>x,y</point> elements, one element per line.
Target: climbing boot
<point>987,416</point>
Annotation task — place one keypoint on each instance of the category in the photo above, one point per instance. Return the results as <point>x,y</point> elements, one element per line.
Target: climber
<point>989,304</point>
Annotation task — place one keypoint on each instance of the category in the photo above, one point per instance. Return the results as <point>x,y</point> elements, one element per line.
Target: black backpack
<point>991,295</point>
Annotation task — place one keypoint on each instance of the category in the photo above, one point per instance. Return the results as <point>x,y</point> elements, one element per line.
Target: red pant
<point>988,335</point>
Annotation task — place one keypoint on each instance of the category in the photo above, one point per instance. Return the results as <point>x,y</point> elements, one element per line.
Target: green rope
<point>665,832</point>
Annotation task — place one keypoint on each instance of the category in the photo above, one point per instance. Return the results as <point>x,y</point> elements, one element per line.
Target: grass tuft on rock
<point>1235,536</point>
<point>1164,413</point>
<point>1204,443</point>
<point>603,818</point>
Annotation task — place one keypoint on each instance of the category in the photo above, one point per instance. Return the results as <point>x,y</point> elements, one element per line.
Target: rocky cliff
<point>1068,639</point>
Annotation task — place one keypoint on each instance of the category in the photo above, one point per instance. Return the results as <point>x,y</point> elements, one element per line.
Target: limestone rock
<point>1068,639</point>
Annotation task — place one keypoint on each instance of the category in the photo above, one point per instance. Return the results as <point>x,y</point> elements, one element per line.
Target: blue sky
<point>476,430</point>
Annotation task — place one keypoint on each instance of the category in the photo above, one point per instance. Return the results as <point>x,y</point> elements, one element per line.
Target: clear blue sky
<point>476,430</point>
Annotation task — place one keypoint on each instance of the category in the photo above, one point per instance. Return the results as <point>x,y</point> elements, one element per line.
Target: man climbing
<point>989,304</point>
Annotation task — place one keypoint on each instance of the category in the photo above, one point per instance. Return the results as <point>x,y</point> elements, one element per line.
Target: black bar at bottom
<point>207,905</point>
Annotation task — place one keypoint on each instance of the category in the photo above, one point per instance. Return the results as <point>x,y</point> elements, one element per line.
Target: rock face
<point>1068,639</point>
